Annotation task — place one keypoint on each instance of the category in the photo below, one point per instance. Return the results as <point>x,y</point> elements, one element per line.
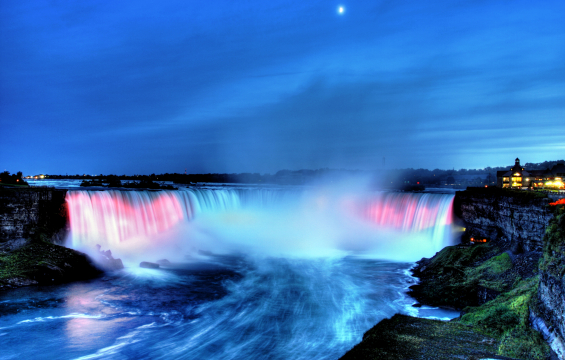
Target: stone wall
<point>28,211</point>
<point>514,222</point>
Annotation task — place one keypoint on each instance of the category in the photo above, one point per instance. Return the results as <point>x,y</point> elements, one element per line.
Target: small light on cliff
<point>486,185</point>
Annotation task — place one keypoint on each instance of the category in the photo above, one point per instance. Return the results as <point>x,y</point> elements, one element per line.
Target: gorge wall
<point>524,223</point>
<point>513,221</point>
<point>31,211</point>
<point>549,315</point>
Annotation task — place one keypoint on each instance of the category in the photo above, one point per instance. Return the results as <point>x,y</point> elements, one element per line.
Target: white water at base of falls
<point>274,277</point>
<point>263,222</point>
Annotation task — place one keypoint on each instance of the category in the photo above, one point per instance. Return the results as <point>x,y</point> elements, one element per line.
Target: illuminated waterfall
<point>408,212</point>
<point>326,220</point>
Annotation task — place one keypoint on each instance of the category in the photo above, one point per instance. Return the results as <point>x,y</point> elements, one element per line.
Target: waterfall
<point>407,212</point>
<point>268,220</point>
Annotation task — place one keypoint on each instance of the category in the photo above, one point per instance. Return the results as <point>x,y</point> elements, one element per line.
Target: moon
<point>340,10</point>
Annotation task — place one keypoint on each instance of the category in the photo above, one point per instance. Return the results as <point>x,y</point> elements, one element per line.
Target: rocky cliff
<point>535,232</point>
<point>548,316</point>
<point>32,222</point>
<point>28,212</point>
<point>513,220</point>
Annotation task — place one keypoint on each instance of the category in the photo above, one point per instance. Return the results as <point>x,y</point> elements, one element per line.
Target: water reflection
<point>250,309</point>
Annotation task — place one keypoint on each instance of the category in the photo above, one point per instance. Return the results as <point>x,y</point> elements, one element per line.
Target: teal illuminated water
<point>255,274</point>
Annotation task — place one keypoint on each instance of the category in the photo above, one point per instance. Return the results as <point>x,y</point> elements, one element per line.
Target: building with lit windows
<point>519,178</point>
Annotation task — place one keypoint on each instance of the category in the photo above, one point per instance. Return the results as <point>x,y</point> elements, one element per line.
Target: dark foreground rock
<point>406,337</point>
<point>43,263</point>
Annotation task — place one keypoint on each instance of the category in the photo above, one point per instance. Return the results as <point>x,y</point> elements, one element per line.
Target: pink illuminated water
<point>409,212</point>
<point>275,279</point>
<point>314,221</point>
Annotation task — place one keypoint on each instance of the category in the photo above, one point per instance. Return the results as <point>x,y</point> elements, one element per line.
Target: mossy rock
<point>406,337</point>
<point>506,318</point>
<point>451,279</point>
<point>43,263</point>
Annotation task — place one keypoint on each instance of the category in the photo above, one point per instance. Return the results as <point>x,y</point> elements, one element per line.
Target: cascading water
<point>341,222</point>
<point>286,274</point>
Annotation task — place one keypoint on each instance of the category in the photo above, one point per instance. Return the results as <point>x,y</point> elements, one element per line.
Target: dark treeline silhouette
<point>385,178</point>
<point>281,177</point>
<point>13,179</point>
<point>457,178</point>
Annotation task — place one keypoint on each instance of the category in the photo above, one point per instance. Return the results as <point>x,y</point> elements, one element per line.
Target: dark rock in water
<point>107,261</point>
<point>111,264</point>
<point>148,265</point>
<point>164,262</point>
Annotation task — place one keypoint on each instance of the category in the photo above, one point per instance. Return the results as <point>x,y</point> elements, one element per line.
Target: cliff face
<point>522,222</point>
<point>550,311</point>
<point>512,222</point>
<point>24,212</point>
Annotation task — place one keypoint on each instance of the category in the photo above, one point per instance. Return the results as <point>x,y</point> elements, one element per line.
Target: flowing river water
<point>254,273</point>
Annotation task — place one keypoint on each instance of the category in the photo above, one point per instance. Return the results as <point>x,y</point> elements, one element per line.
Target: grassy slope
<point>451,278</point>
<point>406,337</point>
<point>553,260</point>
<point>506,319</point>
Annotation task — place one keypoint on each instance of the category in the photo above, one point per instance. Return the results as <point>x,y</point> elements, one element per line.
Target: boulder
<point>149,265</point>
<point>107,261</point>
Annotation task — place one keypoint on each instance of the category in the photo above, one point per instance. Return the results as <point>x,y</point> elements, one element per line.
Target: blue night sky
<point>258,86</point>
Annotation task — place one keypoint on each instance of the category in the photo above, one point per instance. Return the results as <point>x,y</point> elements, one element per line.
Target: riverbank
<point>502,287</point>
<point>464,278</point>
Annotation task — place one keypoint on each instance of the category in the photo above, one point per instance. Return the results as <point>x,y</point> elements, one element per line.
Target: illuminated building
<point>518,177</point>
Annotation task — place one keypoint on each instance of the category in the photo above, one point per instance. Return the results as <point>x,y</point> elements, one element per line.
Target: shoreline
<point>397,338</point>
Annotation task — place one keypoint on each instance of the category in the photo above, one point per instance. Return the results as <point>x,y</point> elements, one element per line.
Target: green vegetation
<point>488,273</point>
<point>454,277</point>
<point>405,337</point>
<point>43,263</point>
<point>451,279</point>
<point>506,319</point>
<point>553,260</point>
